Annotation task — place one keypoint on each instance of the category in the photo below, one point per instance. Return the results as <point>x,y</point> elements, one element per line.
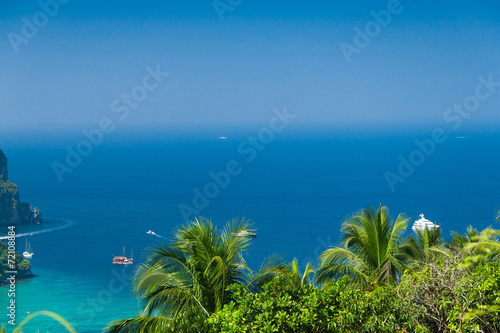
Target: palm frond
<point>271,267</point>
<point>336,262</point>
<point>398,231</point>
<point>188,278</point>
<point>308,271</point>
<point>298,280</point>
<point>372,248</point>
<point>142,324</point>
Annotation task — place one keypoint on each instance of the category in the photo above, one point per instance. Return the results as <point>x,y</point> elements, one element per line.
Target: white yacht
<point>29,252</point>
<point>423,223</point>
<point>245,233</point>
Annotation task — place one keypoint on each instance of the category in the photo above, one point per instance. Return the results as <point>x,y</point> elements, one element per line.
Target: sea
<point>297,188</point>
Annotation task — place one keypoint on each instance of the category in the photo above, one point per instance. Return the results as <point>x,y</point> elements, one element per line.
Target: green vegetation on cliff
<point>23,266</point>
<point>9,201</point>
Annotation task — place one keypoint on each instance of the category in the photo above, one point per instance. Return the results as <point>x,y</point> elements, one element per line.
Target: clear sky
<point>232,65</point>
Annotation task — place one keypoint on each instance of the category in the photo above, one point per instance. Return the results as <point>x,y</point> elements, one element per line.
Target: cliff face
<point>12,210</point>
<point>4,172</point>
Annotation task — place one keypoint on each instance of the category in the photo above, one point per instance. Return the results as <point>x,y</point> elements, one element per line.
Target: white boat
<point>245,233</point>
<point>149,232</point>
<point>28,253</point>
<point>423,223</point>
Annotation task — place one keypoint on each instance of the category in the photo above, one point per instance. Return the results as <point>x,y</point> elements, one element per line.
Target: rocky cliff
<point>12,210</point>
<point>4,171</point>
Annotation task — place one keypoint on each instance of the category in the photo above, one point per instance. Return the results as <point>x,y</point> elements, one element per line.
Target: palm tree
<point>300,281</point>
<point>188,279</point>
<point>256,280</point>
<point>459,242</point>
<point>426,241</point>
<point>486,245</point>
<point>373,250</point>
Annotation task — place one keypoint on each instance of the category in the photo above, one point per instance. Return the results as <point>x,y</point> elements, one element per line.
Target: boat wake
<point>67,224</point>
<point>155,234</point>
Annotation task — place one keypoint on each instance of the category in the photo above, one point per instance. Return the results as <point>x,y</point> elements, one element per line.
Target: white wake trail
<point>67,224</point>
<point>155,234</point>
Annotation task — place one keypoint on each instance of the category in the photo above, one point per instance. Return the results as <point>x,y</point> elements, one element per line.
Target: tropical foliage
<point>22,266</point>
<point>425,242</point>
<point>373,250</point>
<point>444,295</point>
<point>459,242</point>
<point>486,245</point>
<point>377,280</point>
<point>184,282</point>
<point>336,308</point>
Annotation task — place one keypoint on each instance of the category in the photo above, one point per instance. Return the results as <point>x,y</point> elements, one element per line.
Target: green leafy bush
<point>338,307</point>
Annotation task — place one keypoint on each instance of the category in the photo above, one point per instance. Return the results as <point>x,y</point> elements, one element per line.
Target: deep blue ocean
<point>297,190</point>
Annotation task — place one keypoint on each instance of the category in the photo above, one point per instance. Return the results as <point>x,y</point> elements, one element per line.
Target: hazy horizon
<point>230,69</point>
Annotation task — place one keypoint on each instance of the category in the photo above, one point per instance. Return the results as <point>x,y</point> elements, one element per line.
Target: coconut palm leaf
<point>142,324</point>
<point>337,262</point>
<point>188,278</point>
<point>53,315</point>
<point>427,242</point>
<point>459,241</point>
<point>372,249</point>
<point>486,244</point>
<point>298,280</point>
<point>271,267</point>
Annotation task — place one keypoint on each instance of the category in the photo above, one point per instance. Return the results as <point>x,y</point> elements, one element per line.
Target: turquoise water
<point>297,191</point>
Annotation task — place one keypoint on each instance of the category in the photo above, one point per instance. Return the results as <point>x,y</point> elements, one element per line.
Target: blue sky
<point>234,72</point>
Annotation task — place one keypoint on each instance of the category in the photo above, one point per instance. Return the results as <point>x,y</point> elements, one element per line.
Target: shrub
<point>338,307</point>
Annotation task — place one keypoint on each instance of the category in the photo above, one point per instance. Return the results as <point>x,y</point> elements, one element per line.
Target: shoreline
<point>6,283</point>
